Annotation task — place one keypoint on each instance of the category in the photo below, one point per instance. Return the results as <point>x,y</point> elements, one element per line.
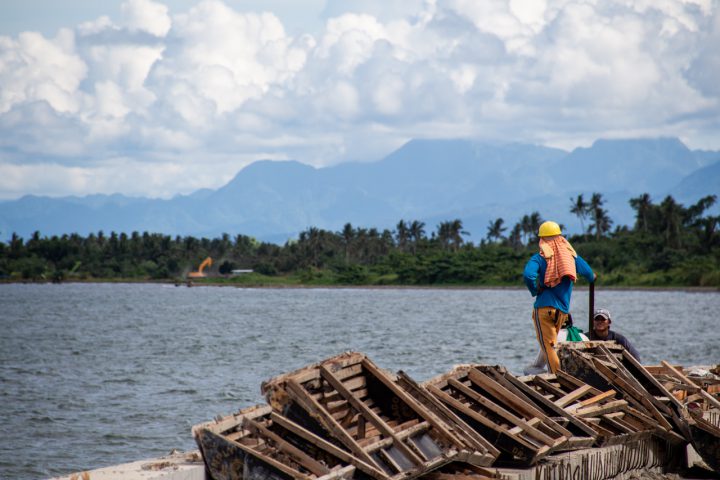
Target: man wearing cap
<point>549,276</point>
<point>601,331</point>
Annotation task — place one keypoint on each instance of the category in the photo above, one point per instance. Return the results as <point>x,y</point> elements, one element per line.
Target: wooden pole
<point>591,307</point>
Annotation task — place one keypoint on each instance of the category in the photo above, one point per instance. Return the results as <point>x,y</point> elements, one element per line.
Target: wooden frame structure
<point>622,372</point>
<point>523,432</point>
<point>701,409</point>
<point>259,443</point>
<point>362,407</point>
<point>580,433</point>
<point>612,419</point>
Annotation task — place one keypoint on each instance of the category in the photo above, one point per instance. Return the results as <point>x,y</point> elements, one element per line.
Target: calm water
<point>94,375</point>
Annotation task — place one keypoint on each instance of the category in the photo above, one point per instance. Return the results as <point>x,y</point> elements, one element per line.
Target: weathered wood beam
<point>506,415</point>
<point>298,455</point>
<point>520,405</point>
<point>327,446</point>
<point>299,394</point>
<point>414,404</point>
<point>371,416</point>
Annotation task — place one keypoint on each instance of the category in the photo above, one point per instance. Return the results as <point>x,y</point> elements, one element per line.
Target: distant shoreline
<point>281,286</point>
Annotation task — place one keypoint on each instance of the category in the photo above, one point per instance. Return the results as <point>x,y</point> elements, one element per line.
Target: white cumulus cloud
<point>162,102</point>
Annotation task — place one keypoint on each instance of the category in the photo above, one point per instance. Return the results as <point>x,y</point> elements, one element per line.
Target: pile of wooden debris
<point>601,416</point>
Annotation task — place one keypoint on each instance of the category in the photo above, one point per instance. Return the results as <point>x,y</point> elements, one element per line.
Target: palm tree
<point>525,227</point>
<point>673,214</point>
<point>534,222</point>
<point>401,234</point>
<point>709,230</point>
<point>694,212</point>
<point>601,221</point>
<point>642,206</point>
<point>347,235</point>
<point>449,234</point>
<point>515,238</point>
<point>443,234</point>
<point>579,208</point>
<point>417,233</point>
<point>495,229</point>
<point>456,232</point>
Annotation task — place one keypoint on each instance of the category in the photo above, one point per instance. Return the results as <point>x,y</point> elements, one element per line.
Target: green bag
<point>573,334</point>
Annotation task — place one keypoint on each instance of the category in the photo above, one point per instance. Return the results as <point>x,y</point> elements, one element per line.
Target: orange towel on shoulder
<point>560,258</point>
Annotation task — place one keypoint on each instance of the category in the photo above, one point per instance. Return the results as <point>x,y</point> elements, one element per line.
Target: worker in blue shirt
<point>549,276</point>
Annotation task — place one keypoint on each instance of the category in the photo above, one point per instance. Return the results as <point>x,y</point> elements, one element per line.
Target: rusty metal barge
<point>602,416</point>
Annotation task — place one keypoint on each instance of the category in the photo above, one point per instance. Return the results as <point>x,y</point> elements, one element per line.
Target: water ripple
<point>94,375</point>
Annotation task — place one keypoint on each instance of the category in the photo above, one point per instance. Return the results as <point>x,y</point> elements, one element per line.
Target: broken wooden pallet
<point>612,419</point>
<point>701,409</point>
<point>520,430</point>
<point>259,443</point>
<point>623,373</point>
<point>361,406</point>
<point>480,451</point>
<point>580,434</point>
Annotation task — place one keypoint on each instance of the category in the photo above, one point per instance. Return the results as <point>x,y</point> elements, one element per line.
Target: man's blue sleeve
<point>583,269</point>
<point>530,275</point>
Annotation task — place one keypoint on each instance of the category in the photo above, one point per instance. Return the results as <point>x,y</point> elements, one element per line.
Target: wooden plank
<point>596,410</point>
<point>589,401</point>
<point>412,403</point>
<point>402,436</point>
<point>633,394</point>
<point>711,399</point>
<point>540,399</point>
<point>298,455</point>
<point>570,382</point>
<point>520,405</point>
<point>572,396</point>
<point>465,410</point>
<point>518,429</point>
<point>623,370</point>
<point>311,372</point>
<point>299,394</point>
<point>378,422</point>
<point>467,435</point>
<point>678,374</point>
<point>348,372</point>
<point>327,446</point>
<point>503,378</point>
<point>280,466</point>
<point>617,424</point>
<point>354,383</point>
<point>500,411</point>
<point>548,387</point>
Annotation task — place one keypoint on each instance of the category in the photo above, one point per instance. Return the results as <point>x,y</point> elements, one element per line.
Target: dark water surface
<point>94,375</point>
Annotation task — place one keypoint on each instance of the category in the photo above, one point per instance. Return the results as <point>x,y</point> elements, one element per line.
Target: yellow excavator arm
<point>199,274</point>
<point>206,263</point>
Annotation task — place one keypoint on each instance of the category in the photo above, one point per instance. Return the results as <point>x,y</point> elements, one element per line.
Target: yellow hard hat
<point>549,229</point>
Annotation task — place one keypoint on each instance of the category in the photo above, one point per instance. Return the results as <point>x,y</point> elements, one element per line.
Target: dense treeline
<point>669,245</point>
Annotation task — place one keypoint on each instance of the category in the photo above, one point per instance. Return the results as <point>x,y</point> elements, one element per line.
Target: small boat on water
<point>602,415</point>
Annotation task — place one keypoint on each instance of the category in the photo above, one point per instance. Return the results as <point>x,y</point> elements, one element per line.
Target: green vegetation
<point>669,245</point>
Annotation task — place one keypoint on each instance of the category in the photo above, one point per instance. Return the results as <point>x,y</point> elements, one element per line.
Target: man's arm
<point>584,270</point>
<point>530,274</point>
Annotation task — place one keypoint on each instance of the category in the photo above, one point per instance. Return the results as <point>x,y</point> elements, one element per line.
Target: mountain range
<point>427,180</point>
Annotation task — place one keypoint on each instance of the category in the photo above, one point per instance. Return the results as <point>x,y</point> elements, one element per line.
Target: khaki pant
<point>548,321</point>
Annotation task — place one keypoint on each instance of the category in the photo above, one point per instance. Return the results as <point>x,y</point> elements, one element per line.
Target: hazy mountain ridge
<point>428,180</point>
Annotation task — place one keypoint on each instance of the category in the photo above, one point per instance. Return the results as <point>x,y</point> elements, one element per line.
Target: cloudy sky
<point>155,98</point>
